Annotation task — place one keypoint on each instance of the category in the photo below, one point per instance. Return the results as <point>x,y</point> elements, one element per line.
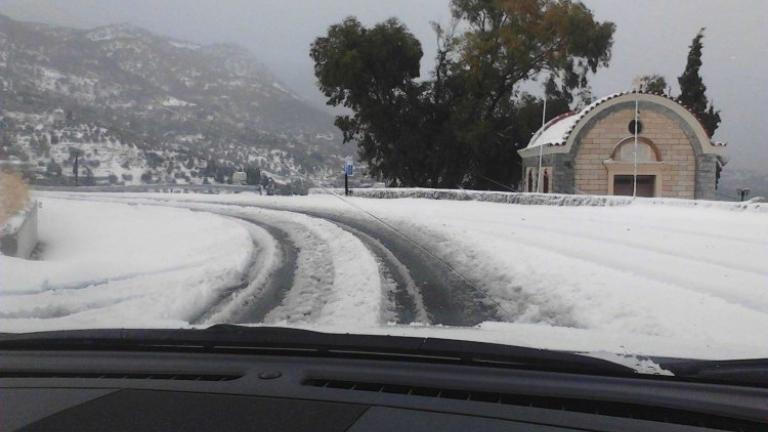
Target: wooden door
<point>646,185</point>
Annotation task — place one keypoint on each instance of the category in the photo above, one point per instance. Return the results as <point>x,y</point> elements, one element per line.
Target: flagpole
<point>541,146</point>
<point>637,123</point>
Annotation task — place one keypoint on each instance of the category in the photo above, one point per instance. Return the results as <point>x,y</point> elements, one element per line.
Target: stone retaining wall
<point>756,204</point>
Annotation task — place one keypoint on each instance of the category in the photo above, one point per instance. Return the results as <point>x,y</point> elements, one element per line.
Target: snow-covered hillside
<point>175,99</point>
<point>641,278</point>
<point>46,147</point>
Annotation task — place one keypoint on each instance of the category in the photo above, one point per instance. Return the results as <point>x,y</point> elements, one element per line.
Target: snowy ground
<point>646,279</point>
<point>121,265</point>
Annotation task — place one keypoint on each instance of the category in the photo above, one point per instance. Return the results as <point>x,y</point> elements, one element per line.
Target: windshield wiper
<point>232,338</point>
<point>749,371</point>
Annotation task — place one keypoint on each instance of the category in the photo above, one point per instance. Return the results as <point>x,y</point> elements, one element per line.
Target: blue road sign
<point>349,168</point>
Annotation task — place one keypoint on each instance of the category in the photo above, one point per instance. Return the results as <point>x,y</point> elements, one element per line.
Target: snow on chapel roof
<point>557,130</point>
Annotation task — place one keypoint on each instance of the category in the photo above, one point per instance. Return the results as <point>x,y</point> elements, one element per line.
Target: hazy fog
<point>652,37</point>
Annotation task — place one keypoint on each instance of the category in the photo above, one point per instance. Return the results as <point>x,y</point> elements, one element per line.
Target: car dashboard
<point>194,391</point>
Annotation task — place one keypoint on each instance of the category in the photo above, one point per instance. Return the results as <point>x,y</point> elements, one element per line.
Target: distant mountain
<point>196,109</point>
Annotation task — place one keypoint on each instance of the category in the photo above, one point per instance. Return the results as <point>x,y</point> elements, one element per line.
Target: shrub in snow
<point>13,195</point>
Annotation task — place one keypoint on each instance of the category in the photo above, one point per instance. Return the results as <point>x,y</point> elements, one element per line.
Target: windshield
<point>574,176</point>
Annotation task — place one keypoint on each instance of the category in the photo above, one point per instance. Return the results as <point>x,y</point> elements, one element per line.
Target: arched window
<point>625,152</point>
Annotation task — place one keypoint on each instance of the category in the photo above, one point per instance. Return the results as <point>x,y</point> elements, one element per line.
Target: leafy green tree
<point>252,175</point>
<point>372,72</point>
<point>74,157</point>
<point>653,83</point>
<point>211,167</point>
<point>511,42</point>
<point>5,139</point>
<point>17,151</point>
<point>693,91</point>
<point>53,169</point>
<point>154,160</point>
<point>89,179</point>
<point>462,127</point>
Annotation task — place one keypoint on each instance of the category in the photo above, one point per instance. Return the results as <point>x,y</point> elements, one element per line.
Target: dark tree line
<point>461,126</point>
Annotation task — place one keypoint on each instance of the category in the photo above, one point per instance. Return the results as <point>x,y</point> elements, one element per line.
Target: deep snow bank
<point>118,264</point>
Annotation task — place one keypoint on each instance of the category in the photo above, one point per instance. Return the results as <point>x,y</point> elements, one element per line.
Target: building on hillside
<point>592,151</point>
<point>239,178</point>
<point>58,115</point>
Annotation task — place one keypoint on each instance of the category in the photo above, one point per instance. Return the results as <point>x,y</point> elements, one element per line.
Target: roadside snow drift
<point>121,265</point>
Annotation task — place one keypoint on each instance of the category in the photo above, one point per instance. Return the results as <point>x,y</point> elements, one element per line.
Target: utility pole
<point>541,146</point>
<point>637,125</point>
<point>76,167</point>
<point>346,183</point>
<point>348,169</point>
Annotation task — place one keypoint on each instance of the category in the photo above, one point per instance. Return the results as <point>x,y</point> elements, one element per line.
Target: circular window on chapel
<point>632,127</point>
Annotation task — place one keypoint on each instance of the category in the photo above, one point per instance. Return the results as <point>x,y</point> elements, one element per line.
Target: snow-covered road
<point>652,279</point>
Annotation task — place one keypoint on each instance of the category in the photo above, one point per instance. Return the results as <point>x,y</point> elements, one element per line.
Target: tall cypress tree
<point>692,88</point>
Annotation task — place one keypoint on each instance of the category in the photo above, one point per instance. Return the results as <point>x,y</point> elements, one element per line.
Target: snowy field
<point>645,278</point>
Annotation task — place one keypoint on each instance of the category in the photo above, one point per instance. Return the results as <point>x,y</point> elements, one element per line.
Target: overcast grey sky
<point>652,37</point>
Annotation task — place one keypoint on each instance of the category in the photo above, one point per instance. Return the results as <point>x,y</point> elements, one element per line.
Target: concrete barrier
<point>18,237</point>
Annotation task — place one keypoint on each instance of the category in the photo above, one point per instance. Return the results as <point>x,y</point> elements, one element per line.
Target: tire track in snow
<point>669,252</point>
<point>281,279</point>
<point>404,298</point>
<point>81,285</point>
<point>295,285</point>
<point>336,280</point>
<point>313,281</point>
<point>402,302</point>
<point>447,299</point>
<point>647,260</point>
<point>264,280</point>
<point>264,287</point>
